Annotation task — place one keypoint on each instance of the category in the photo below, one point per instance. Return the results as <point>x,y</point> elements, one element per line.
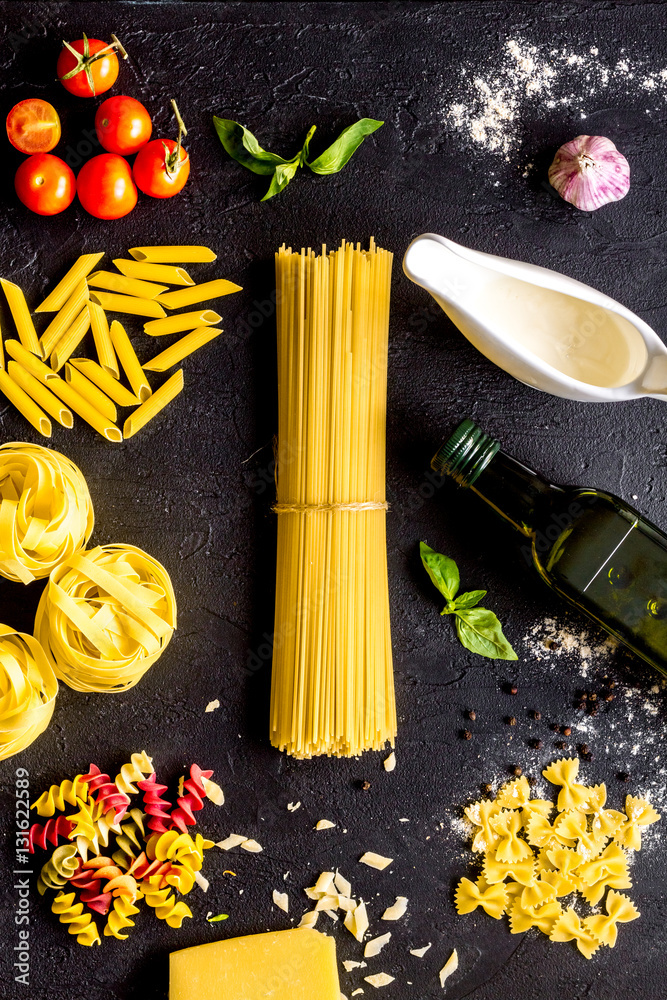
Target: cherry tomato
<point>161,168</point>
<point>105,186</point>
<point>123,125</point>
<point>88,66</point>
<point>33,126</point>
<point>45,184</point>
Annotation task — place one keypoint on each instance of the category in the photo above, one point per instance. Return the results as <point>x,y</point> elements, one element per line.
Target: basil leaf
<point>443,571</point>
<point>283,174</point>
<point>244,148</point>
<point>480,631</point>
<point>220,916</point>
<point>339,152</point>
<point>304,152</point>
<point>470,599</point>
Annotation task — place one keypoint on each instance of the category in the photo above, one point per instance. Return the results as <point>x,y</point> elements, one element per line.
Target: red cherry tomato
<point>123,125</point>
<point>88,66</point>
<point>45,184</point>
<point>33,126</point>
<point>161,168</point>
<point>105,186</point>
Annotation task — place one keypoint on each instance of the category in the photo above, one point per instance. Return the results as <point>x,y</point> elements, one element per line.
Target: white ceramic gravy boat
<point>456,277</point>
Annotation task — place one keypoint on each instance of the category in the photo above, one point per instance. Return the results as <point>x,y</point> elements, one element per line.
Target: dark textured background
<point>187,491</point>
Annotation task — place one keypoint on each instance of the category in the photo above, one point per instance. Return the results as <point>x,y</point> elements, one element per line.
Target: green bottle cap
<point>466,454</point>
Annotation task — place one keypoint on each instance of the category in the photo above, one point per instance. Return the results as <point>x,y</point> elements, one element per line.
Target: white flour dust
<point>495,105</point>
<point>548,641</point>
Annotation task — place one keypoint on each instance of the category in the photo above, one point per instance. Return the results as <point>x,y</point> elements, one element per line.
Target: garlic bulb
<point>590,172</point>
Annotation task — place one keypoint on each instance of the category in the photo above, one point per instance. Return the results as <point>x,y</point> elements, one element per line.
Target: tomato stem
<point>172,160</point>
<point>84,61</point>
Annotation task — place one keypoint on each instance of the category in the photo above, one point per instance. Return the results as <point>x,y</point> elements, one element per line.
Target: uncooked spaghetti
<point>332,685</point>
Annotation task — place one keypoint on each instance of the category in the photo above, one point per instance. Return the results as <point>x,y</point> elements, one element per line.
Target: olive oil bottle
<point>590,547</point>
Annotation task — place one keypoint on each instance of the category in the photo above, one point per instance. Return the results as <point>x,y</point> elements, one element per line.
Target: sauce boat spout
<point>546,329</point>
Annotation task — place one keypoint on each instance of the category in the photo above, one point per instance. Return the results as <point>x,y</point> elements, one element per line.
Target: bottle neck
<point>514,491</point>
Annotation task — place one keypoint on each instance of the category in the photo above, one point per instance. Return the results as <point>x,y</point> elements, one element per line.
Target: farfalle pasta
<point>105,617</point>
<point>28,689</point>
<point>112,859</point>
<point>46,514</point>
<point>531,862</point>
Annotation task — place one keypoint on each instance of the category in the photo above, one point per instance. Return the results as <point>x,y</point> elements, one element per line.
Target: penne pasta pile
<point>39,373</point>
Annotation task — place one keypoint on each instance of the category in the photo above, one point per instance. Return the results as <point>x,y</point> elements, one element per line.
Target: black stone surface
<point>195,489</point>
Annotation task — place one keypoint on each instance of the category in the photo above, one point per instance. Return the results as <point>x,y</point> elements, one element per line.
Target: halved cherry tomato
<point>33,126</point>
<point>89,66</point>
<point>45,184</point>
<point>161,168</point>
<point>105,186</point>
<point>123,125</point>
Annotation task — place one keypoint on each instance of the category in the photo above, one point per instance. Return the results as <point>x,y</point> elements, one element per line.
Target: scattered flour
<point>547,641</point>
<point>493,107</point>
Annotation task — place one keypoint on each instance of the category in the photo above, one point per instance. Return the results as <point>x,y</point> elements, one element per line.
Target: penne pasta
<point>100,327</point>
<point>107,383</point>
<point>157,402</point>
<point>70,340</point>
<point>63,319</point>
<point>90,392</point>
<point>198,293</point>
<point>41,395</point>
<point>180,322</point>
<point>56,299</point>
<point>130,362</point>
<point>86,411</point>
<point>153,272</point>
<point>173,255</point>
<point>112,302</point>
<point>128,286</point>
<point>29,361</point>
<point>21,316</point>
<point>182,348</point>
<point>24,404</point>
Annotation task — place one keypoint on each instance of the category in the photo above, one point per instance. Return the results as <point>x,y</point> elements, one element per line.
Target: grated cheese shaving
<point>293,806</point>
<point>420,952</point>
<point>334,916</point>
<point>281,900</point>
<point>324,824</point>
<point>349,965</point>
<point>233,840</point>
<point>212,705</point>
<point>390,762</point>
<point>379,979</point>
<point>375,946</point>
<point>202,882</point>
<point>397,910</point>
<point>450,966</point>
<point>375,861</point>
<point>357,992</point>
<point>327,903</point>
<point>252,846</point>
<point>342,884</point>
<point>309,918</point>
<point>213,792</point>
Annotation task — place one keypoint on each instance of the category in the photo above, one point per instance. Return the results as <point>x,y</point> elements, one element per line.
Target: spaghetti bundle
<point>332,684</point>
<point>105,617</point>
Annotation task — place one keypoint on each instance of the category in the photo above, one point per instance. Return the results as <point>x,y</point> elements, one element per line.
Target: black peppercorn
<point>532,781</point>
<point>593,697</point>
<point>537,744</point>
<point>623,776</point>
<point>560,744</point>
<point>609,697</point>
<point>487,788</point>
<point>566,730</point>
<point>583,747</point>
<point>364,785</point>
<point>514,689</point>
<point>466,734</point>
<point>510,720</point>
<point>472,715</point>
<point>537,715</point>
<point>555,727</point>
<point>517,770</point>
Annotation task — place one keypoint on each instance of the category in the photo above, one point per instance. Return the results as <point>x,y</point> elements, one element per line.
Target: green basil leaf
<point>220,916</point>
<point>282,175</point>
<point>244,148</point>
<point>469,599</point>
<point>306,146</point>
<point>339,152</point>
<point>442,570</point>
<point>480,631</point>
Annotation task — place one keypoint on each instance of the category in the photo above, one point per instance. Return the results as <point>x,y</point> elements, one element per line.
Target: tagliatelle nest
<point>105,617</point>
<point>46,513</point>
<point>28,689</point>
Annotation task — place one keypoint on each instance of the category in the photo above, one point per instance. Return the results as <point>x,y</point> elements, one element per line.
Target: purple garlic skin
<point>590,172</point>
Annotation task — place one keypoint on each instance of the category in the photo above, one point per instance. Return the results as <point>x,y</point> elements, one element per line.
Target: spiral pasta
<point>59,796</point>
<point>119,918</point>
<point>46,514</point>
<point>105,617</point>
<point>191,802</point>
<point>105,792</point>
<point>28,689</point>
<point>157,809</point>
<point>39,835</point>
<point>81,924</point>
<point>58,870</point>
<point>140,764</point>
<point>164,903</point>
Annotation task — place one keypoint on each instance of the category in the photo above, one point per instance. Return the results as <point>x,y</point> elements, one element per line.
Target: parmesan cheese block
<point>295,964</point>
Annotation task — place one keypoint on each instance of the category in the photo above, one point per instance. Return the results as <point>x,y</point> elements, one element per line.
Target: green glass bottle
<point>590,547</point>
